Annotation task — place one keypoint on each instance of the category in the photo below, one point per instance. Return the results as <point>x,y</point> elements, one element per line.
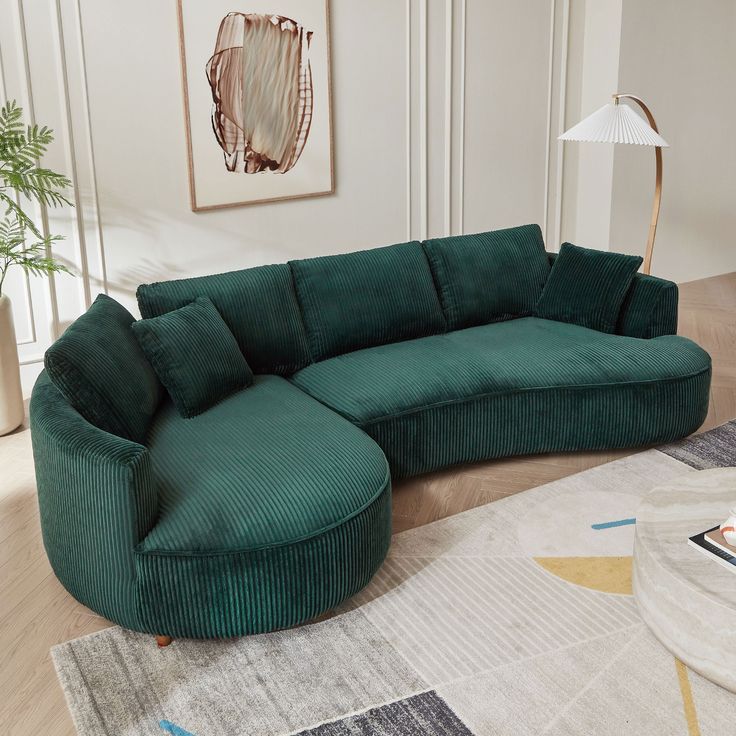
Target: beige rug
<point>515,618</point>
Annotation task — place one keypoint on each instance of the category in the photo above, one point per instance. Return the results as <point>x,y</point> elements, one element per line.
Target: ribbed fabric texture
<point>453,398</point>
<point>258,305</point>
<point>298,468</point>
<point>249,592</point>
<point>194,355</point>
<point>489,276</point>
<point>372,297</point>
<point>97,501</point>
<point>649,309</point>
<point>270,508</point>
<point>100,369</point>
<point>587,287</point>
<point>541,421</point>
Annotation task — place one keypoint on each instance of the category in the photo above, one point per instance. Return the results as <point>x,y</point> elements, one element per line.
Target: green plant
<point>21,242</point>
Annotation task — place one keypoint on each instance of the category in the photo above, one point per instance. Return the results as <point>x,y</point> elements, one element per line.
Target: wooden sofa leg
<point>163,641</point>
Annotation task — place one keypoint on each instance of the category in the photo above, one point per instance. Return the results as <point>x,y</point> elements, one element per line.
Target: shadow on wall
<point>143,246</point>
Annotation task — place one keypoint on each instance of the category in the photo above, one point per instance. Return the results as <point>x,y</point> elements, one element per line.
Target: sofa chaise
<point>274,504</point>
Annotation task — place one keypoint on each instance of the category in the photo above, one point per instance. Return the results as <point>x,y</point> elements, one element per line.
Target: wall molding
<point>461,103</point>
<point>449,26</point>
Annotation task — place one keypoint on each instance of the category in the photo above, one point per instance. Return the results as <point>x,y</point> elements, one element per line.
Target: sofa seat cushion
<point>521,386</point>
<point>267,466</point>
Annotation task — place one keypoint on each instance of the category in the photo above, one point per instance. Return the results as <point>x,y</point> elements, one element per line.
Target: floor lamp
<point>615,123</point>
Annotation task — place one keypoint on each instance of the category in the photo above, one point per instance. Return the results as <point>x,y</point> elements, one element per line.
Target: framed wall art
<point>257,100</point>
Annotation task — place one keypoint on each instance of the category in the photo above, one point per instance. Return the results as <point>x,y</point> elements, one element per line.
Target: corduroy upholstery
<point>102,372</point>
<point>273,523</point>
<point>522,386</point>
<point>258,305</point>
<point>97,501</point>
<point>372,297</point>
<point>195,355</point>
<point>265,527</point>
<point>274,505</point>
<point>587,287</point>
<point>488,277</point>
<point>649,308</point>
<point>303,469</point>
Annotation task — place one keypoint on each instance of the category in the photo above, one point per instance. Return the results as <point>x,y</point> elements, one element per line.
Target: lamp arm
<point>647,265</point>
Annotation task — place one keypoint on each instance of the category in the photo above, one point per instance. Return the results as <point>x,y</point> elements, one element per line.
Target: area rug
<point>515,618</point>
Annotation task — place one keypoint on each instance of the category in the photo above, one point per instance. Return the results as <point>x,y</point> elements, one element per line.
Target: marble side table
<point>687,599</point>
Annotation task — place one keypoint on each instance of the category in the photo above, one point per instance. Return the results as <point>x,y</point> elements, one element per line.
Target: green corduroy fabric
<point>371,297</point>
<point>97,501</point>
<point>252,591</point>
<point>100,369</point>
<point>489,276</point>
<point>587,287</point>
<point>302,468</point>
<point>270,508</point>
<point>258,305</point>
<point>108,519</point>
<point>521,386</point>
<point>194,355</point>
<point>649,309</point>
<point>264,538</point>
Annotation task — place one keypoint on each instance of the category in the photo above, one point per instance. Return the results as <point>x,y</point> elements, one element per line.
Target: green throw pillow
<point>99,368</point>
<point>587,287</point>
<point>194,355</point>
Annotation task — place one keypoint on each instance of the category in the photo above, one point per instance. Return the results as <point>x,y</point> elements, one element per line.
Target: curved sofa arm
<point>97,501</point>
<point>649,309</point>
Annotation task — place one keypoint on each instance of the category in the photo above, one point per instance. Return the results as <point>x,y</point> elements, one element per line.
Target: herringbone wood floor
<point>36,612</point>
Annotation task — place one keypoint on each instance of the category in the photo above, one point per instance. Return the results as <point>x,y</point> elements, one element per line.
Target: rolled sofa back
<point>259,306</point>
<point>288,315</point>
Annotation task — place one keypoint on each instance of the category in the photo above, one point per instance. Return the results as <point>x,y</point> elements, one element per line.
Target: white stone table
<point>687,599</point>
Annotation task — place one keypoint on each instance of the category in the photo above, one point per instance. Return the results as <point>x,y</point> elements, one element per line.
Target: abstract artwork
<point>257,100</point>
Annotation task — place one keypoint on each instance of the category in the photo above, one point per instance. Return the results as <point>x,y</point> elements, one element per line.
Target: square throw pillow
<point>194,355</point>
<point>587,287</point>
<point>100,369</point>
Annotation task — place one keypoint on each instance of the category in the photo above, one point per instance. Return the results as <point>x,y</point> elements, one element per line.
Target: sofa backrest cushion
<point>489,276</point>
<point>371,297</point>
<point>100,369</point>
<point>258,305</point>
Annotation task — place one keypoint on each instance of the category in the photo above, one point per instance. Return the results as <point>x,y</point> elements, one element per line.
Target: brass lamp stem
<point>647,265</point>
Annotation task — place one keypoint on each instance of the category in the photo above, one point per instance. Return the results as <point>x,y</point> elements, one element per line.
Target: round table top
<point>686,506</point>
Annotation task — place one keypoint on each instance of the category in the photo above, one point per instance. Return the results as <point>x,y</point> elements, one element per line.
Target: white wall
<point>680,57</point>
<point>440,124</point>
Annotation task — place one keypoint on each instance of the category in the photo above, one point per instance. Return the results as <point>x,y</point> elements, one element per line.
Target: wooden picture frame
<point>270,147</point>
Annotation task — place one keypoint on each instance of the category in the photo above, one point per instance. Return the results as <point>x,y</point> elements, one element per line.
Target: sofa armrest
<point>649,309</point>
<point>97,501</point>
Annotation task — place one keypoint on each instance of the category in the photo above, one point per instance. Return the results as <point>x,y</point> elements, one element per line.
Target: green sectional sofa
<point>274,505</point>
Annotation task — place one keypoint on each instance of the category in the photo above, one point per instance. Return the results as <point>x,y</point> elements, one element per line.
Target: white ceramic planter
<point>11,395</point>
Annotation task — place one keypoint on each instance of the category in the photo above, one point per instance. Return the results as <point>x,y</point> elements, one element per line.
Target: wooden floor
<point>36,612</point>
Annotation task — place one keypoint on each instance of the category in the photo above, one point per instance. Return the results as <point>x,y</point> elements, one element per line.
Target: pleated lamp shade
<point>614,124</point>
